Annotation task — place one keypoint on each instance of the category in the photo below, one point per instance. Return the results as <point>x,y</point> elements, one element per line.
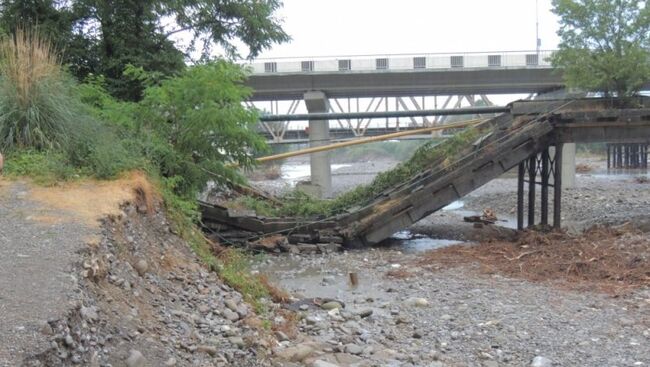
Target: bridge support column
<point>569,165</point>
<point>548,163</point>
<point>319,134</point>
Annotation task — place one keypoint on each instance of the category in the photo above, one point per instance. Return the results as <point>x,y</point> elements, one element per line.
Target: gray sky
<point>352,27</point>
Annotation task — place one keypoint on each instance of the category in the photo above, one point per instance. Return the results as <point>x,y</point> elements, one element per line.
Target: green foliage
<point>430,155</point>
<point>103,37</point>
<point>44,168</point>
<point>203,130</point>
<point>604,45</point>
<point>234,269</point>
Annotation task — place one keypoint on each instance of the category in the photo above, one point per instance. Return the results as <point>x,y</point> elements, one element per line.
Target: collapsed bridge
<point>530,136</point>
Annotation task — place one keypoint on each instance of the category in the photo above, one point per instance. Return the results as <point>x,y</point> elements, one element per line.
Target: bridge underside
<point>406,83</point>
<point>521,138</point>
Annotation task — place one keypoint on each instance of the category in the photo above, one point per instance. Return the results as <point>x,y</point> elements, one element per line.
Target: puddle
<point>408,242</point>
<point>616,174</point>
<point>455,205</point>
<point>320,277</point>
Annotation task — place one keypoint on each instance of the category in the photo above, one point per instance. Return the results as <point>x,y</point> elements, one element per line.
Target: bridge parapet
<point>403,62</point>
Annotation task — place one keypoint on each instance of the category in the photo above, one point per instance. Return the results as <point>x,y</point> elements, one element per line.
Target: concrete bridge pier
<point>319,135</point>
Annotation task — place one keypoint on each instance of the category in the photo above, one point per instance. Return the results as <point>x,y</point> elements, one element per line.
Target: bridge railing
<point>403,62</point>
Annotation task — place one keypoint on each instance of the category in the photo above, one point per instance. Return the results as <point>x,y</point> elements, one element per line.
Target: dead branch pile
<point>611,259</point>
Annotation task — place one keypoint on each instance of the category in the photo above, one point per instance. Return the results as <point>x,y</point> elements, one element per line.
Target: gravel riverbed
<point>405,313</point>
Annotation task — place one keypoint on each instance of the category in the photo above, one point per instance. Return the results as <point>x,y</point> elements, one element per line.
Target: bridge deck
<point>508,140</point>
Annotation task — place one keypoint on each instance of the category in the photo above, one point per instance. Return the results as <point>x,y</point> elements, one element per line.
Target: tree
<point>202,130</point>
<point>102,37</point>
<point>604,45</point>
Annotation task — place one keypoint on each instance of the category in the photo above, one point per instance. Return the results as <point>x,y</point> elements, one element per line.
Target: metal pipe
<point>365,141</point>
<point>387,114</point>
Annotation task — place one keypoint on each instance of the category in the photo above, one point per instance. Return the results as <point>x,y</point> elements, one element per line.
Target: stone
<point>331,305</point>
<point>353,349</point>
<point>69,341</point>
<point>329,279</point>
<point>490,364</point>
<point>541,361</point>
<point>365,312</point>
<point>417,335</point>
<point>208,349</point>
<point>313,320</point>
<point>237,340</point>
<point>135,359</point>
<point>231,304</point>
<point>321,363</point>
<point>230,315</point>
<point>296,354</point>
<point>281,336</point>
<point>171,362</point>
<point>417,302</point>
<point>89,313</point>
<point>141,266</point>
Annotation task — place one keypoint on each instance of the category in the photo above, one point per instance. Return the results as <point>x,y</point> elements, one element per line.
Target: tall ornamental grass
<point>37,108</point>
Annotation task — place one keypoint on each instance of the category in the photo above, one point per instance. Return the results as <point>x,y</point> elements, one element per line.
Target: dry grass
<point>613,260</point>
<point>90,200</point>
<point>26,59</point>
<point>583,168</point>
<point>399,274</point>
<point>277,294</point>
<point>289,324</point>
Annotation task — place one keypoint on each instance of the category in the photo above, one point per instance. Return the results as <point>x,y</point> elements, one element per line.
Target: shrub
<point>36,106</point>
<point>201,130</point>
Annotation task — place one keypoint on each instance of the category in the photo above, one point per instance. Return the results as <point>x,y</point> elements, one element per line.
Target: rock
<point>296,354</point>
<point>141,267</point>
<point>231,304</point>
<point>306,248</point>
<point>208,349</point>
<point>69,341</point>
<point>230,315</point>
<point>490,364</point>
<point>171,362</point>
<point>331,305</point>
<point>303,307</point>
<point>329,279</point>
<point>313,320</point>
<point>326,248</point>
<point>353,349</point>
<point>417,335</point>
<point>417,302</point>
<point>540,361</point>
<point>89,313</point>
<point>281,336</point>
<point>136,359</point>
<point>365,312</point>
<point>320,363</point>
<point>237,340</point>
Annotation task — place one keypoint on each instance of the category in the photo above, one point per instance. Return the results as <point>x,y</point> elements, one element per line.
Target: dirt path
<point>36,284</point>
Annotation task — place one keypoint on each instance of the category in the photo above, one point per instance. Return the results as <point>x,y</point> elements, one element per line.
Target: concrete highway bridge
<point>371,83</point>
<point>530,136</point>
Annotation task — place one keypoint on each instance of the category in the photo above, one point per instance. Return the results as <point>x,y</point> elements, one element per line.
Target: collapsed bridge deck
<point>529,136</point>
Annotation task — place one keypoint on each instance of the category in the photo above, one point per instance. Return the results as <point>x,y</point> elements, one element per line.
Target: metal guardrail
<point>403,62</point>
